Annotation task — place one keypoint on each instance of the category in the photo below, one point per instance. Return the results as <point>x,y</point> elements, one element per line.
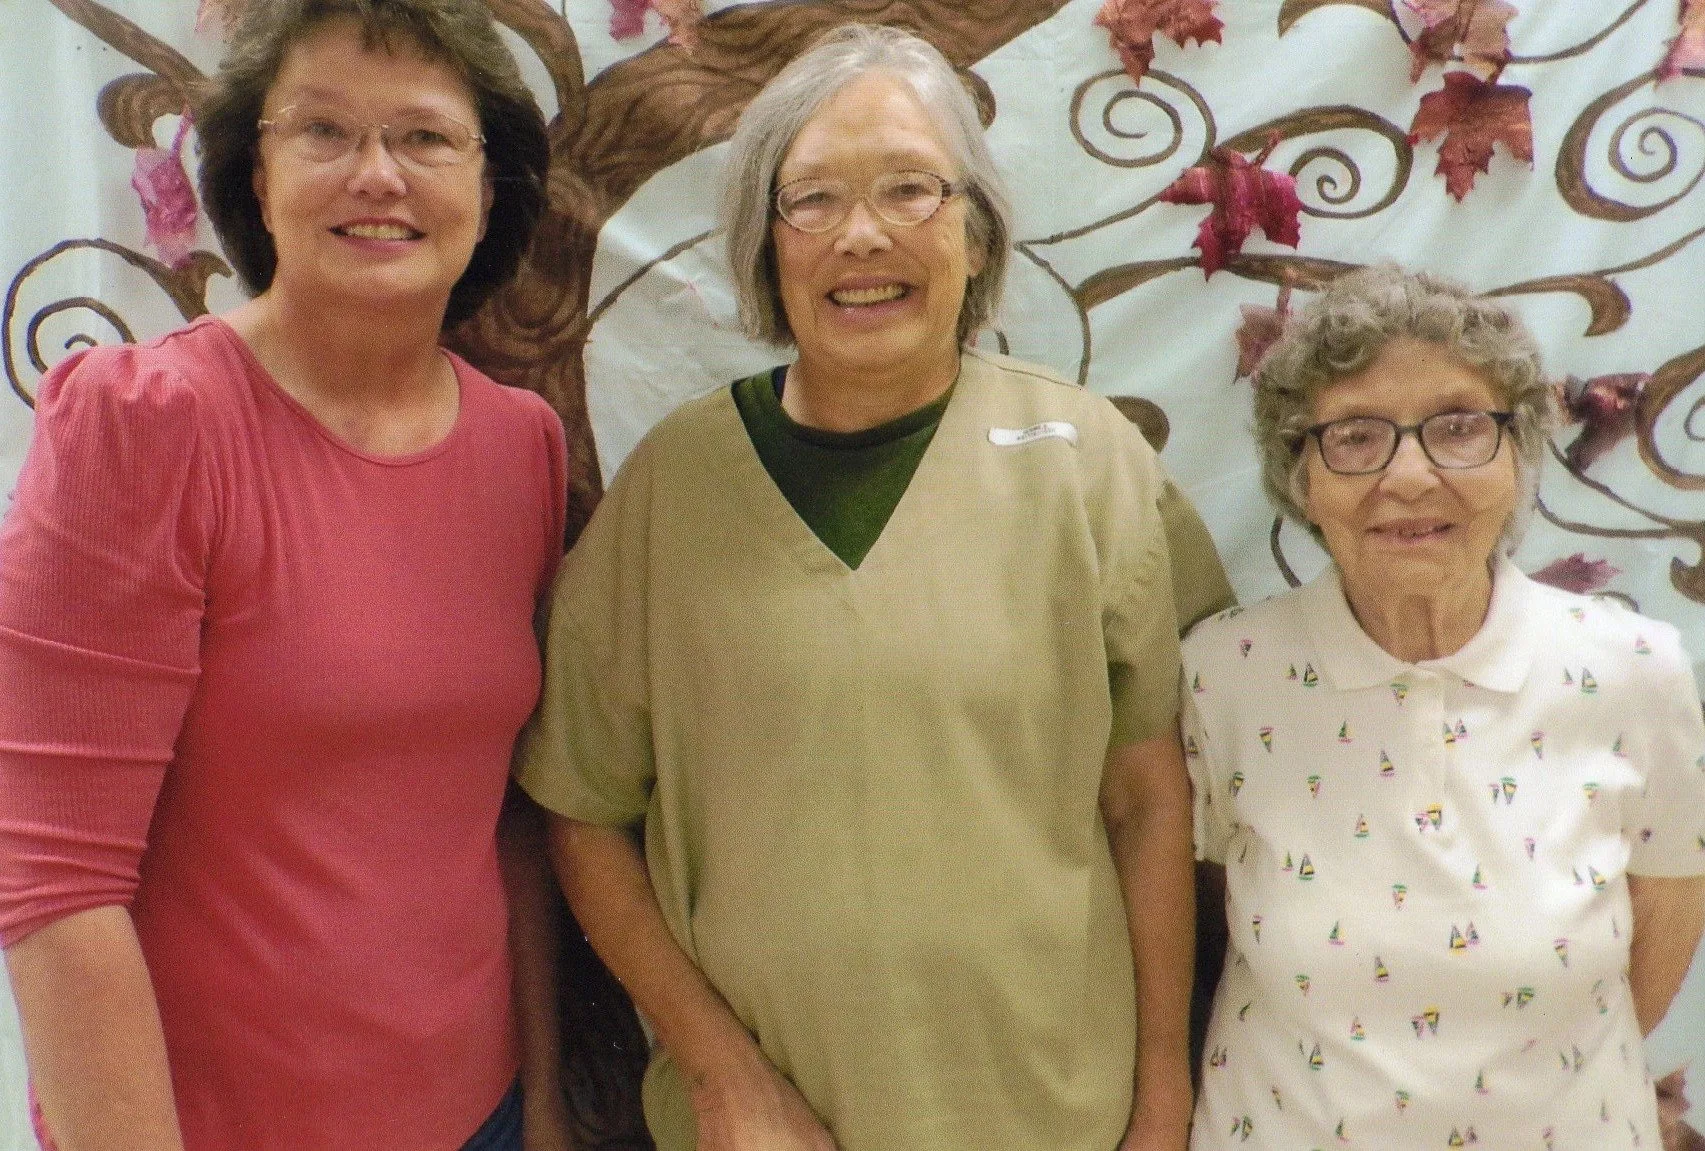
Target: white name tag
<point>1048,430</point>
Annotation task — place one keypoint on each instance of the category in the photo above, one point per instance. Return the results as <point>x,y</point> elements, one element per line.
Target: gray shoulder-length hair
<point>1344,330</point>
<point>775,116</point>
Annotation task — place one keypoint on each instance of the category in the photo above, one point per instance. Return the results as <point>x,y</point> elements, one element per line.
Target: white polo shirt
<point>1426,870</point>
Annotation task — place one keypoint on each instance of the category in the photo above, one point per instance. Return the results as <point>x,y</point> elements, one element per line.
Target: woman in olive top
<point>882,649</point>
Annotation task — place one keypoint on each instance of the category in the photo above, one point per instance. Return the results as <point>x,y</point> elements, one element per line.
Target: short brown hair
<point>460,34</point>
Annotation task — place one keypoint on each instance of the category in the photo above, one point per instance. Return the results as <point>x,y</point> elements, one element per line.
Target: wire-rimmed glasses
<point>904,198</point>
<point>325,135</point>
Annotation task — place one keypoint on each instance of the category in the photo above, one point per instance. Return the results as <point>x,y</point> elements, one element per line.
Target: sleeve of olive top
<point>1139,623</point>
<point>1199,585</point>
<point>587,753</point>
<point>103,557</point>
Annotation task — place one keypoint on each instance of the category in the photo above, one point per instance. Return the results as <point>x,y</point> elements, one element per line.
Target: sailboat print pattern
<point>1401,845</point>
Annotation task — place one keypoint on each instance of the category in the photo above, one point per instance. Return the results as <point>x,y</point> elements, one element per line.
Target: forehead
<point>1409,380</point>
<point>874,123</point>
<point>337,60</point>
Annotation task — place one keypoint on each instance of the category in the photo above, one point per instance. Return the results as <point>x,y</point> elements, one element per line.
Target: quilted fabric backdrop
<point>1548,152</point>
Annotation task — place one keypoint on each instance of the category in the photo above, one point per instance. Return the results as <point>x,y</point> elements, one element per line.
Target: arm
<point>740,1101</point>
<point>1145,804</point>
<point>1669,917</point>
<point>89,1017</point>
<point>533,946</point>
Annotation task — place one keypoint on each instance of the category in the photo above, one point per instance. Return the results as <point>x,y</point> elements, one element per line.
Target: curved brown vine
<point>1334,117</point>
<point>1571,167</point>
<point>186,288</point>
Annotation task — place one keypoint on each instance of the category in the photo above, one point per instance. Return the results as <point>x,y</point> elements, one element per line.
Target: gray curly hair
<point>1344,330</point>
<point>775,117</point>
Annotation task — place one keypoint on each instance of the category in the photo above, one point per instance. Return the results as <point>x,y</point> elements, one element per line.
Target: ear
<point>257,181</point>
<point>488,194</point>
<point>976,259</point>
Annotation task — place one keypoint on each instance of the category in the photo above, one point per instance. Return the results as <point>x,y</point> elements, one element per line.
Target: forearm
<point>1147,815</point>
<point>605,879</point>
<point>92,1035</point>
<point>533,944</point>
<point>1669,916</point>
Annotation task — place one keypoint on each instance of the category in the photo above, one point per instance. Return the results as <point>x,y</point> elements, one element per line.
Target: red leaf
<point>1688,49</point>
<point>1480,27</point>
<point>1577,573</point>
<point>1131,25</point>
<point>1260,330</point>
<point>627,19</point>
<point>1245,196</point>
<point>1605,405</point>
<point>168,198</point>
<point>1474,116</point>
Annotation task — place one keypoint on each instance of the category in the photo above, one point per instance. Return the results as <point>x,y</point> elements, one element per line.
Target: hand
<point>756,1111</point>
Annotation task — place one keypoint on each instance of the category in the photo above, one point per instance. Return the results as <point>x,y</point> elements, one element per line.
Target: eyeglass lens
<point>903,198</point>
<point>1364,444</point>
<point>325,135</point>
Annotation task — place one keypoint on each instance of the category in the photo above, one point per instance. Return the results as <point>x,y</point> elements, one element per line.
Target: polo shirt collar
<point>1498,658</point>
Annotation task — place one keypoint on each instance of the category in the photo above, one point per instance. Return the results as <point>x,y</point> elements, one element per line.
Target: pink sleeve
<point>558,446</point>
<point>102,557</point>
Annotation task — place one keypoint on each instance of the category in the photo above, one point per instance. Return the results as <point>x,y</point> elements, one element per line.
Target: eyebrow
<point>311,93</point>
<point>895,160</point>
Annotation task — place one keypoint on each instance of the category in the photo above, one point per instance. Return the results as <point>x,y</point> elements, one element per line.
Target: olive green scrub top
<point>870,796</point>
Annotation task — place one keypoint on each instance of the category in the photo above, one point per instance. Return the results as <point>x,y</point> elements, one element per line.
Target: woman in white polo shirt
<point>1461,815</point>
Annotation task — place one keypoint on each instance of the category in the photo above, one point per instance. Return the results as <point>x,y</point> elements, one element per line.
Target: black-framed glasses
<point>1359,445</point>
<point>905,198</point>
<point>324,135</point>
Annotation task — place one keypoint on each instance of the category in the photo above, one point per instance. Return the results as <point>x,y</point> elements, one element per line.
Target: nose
<point>1410,472</point>
<point>375,171</point>
<point>863,233</point>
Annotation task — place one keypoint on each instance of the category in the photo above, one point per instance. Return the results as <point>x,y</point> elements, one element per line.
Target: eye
<point>1353,434</point>
<point>323,129</point>
<point>1458,425</point>
<point>421,136</point>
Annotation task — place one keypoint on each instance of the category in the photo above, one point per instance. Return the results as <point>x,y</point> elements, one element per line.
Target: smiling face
<point>364,229</point>
<point>1414,530</point>
<point>867,296</point>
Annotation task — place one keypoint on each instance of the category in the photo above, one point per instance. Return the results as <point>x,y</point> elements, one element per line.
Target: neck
<point>1430,624</point>
<point>363,356</point>
<point>835,399</point>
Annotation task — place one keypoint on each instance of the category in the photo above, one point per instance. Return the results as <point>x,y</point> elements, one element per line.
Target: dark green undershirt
<point>844,485</point>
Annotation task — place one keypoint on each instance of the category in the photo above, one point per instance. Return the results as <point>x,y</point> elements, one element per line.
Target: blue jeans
<point>501,1132</point>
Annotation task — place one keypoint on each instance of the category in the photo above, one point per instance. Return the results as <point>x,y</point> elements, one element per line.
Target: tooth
<point>867,295</point>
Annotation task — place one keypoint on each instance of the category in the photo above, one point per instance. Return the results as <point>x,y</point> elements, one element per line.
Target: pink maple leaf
<point>1260,330</point>
<point>1577,573</point>
<point>1131,25</point>
<point>1479,27</point>
<point>682,17</point>
<point>1604,405</point>
<point>1474,116</point>
<point>168,199</point>
<point>217,15</point>
<point>1245,196</point>
<point>1686,51</point>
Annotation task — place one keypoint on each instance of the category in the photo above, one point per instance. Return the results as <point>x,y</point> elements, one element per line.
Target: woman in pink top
<point>267,592</point>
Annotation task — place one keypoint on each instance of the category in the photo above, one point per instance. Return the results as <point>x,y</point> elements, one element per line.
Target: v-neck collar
<point>770,506</point>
